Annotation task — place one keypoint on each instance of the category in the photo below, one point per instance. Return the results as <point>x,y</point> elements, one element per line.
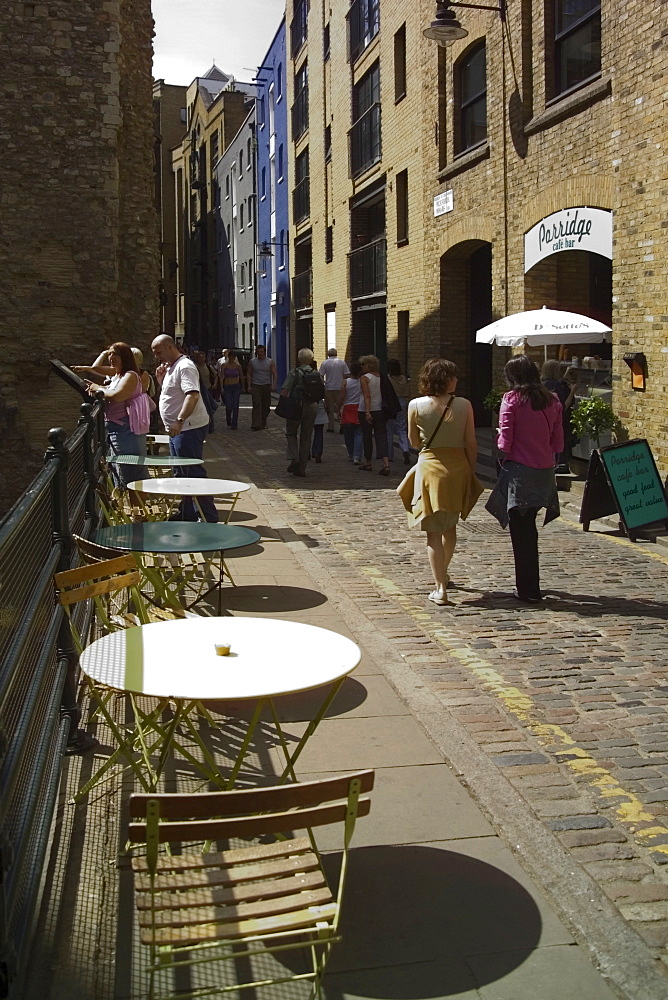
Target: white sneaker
<point>357,461</point>
<point>439,597</point>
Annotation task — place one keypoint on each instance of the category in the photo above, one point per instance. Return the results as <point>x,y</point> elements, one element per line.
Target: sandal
<point>364,468</point>
<point>438,597</point>
<point>385,471</point>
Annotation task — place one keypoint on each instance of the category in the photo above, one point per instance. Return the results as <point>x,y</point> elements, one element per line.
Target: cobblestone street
<point>566,703</point>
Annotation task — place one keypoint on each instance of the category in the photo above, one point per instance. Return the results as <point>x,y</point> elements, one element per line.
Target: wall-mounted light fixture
<point>445,28</point>
<point>637,362</point>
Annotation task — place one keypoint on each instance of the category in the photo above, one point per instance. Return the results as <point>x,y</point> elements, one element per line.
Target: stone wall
<point>79,246</point>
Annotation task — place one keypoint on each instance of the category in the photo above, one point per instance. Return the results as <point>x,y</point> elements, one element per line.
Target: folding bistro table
<point>183,486</point>
<point>179,538</point>
<point>176,661</point>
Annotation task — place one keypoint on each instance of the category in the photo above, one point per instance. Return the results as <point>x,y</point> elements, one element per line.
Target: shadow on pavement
<point>585,605</point>
<point>300,707</point>
<point>271,599</point>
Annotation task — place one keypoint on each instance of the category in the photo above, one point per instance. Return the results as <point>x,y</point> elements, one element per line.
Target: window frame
<point>561,37</point>
<point>400,76</point>
<point>463,107</point>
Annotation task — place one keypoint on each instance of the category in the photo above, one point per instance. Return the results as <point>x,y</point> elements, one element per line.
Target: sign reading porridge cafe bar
<point>624,477</point>
<point>569,229</point>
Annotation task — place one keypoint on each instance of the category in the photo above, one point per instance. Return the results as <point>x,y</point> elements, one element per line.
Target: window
<point>216,194</point>
<point>279,82</point>
<point>363,26</point>
<point>249,158</point>
<point>300,107</point>
<point>365,146</point>
<point>472,90</point>
<point>328,143</point>
<point>299,27</point>
<point>280,162</point>
<point>227,186</point>
<point>329,244</point>
<point>250,273</point>
<point>213,148</point>
<point>242,276</point>
<point>241,216</point>
<point>325,43</point>
<point>228,234</point>
<point>301,204</point>
<point>263,183</point>
<point>260,112</point>
<point>401,190</point>
<point>249,221</point>
<point>400,63</point>
<point>281,248</point>
<point>577,51</point>
<point>241,162</point>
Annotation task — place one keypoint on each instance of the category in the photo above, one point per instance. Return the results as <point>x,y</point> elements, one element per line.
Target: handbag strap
<point>438,425</point>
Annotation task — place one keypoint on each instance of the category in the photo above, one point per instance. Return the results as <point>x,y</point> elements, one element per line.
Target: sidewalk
<point>438,905</point>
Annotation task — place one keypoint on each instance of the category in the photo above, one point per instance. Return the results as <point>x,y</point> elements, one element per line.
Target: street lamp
<point>445,28</point>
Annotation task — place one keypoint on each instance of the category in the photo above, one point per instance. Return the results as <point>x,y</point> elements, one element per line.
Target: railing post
<point>62,537</point>
<point>88,420</point>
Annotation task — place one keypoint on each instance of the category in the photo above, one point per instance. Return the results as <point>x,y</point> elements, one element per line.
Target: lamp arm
<point>500,8</point>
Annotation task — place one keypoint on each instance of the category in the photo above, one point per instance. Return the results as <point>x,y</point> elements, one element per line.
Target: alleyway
<point>553,718</point>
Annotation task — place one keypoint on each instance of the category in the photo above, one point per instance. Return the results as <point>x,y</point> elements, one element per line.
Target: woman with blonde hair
<point>442,487</point>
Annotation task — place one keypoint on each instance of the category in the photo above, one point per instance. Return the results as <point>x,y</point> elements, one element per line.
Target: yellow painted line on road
<point>628,808</point>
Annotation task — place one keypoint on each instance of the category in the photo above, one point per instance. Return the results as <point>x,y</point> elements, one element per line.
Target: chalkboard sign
<point>624,478</point>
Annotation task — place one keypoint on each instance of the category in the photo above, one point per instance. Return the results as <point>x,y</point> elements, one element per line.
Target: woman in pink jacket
<point>530,433</point>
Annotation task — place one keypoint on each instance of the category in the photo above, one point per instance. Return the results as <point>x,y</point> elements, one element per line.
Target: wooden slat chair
<point>272,897</point>
<point>163,576</point>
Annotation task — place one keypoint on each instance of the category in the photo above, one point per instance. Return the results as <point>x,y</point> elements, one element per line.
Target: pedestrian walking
<point>348,410</point>
<point>530,434</point>
<point>398,425</point>
<point>231,376</point>
<point>442,487</point>
<point>317,444</point>
<point>185,418</point>
<point>371,416</point>
<point>261,379</point>
<point>209,385</point>
<point>333,371</point>
<point>305,386</point>
<point>564,390</point>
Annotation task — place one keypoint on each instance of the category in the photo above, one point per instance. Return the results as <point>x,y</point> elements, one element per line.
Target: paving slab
<point>558,973</point>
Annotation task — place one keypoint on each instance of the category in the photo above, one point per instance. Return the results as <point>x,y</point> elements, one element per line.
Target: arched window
<point>471,89</point>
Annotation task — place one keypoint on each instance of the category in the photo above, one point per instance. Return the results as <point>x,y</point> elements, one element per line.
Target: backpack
<point>312,386</point>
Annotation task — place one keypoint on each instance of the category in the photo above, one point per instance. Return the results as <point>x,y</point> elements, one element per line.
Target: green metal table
<point>179,538</point>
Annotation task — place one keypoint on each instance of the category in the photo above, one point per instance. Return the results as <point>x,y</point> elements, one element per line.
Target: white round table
<point>189,486</point>
<point>177,661</point>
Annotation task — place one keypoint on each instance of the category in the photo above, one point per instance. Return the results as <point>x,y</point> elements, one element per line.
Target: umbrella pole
<point>545,350</point>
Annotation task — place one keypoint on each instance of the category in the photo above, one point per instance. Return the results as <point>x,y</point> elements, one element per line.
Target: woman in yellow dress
<point>442,487</point>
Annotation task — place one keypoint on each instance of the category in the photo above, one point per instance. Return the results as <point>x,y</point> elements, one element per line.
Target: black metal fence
<point>368,269</point>
<point>39,714</point>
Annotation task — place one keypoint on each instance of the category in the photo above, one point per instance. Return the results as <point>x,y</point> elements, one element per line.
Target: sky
<point>192,34</point>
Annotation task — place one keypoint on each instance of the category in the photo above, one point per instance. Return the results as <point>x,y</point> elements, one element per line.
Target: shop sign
<point>624,477</point>
<point>569,229</point>
<point>443,202</point>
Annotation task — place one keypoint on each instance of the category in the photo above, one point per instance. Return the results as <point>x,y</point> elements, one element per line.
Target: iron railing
<point>301,201</point>
<point>300,114</point>
<point>39,712</point>
<point>368,269</point>
<point>302,290</point>
<point>365,144</point>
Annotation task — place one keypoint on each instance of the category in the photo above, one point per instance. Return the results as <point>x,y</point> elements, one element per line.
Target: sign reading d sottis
<point>635,482</point>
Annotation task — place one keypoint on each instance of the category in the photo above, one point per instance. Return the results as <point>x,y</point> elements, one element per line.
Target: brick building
<point>215,110</point>
<point>78,258</point>
<point>169,107</point>
<point>423,176</point>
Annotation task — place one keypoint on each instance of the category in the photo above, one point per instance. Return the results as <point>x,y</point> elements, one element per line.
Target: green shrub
<point>592,417</point>
<point>492,400</point>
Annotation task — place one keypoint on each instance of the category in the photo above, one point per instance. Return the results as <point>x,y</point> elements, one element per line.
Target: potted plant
<point>593,417</point>
<point>492,400</point>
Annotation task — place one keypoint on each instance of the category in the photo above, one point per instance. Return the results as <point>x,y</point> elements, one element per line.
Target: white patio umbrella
<point>543,326</point>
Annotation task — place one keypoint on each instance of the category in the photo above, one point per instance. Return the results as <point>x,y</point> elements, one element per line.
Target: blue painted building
<point>273,277</point>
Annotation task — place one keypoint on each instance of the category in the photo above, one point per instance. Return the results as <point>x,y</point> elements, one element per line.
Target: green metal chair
<point>239,904</point>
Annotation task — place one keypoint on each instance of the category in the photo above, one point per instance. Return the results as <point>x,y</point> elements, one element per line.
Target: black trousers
<point>524,536</point>
<point>374,428</point>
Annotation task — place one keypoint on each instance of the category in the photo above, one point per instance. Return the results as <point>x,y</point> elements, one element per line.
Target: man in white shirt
<point>333,372</point>
<point>185,417</point>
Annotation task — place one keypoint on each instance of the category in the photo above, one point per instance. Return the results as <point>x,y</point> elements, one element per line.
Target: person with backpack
<point>306,387</point>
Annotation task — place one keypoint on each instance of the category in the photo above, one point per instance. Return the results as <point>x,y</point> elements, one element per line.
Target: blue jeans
<point>189,444</point>
<point>123,442</point>
<point>400,427</point>
<point>231,397</point>
<point>352,435</point>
